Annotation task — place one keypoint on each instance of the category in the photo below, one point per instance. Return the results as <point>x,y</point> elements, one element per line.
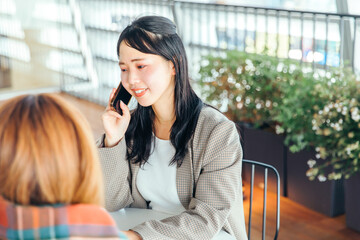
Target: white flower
<point>334,176</point>
<point>268,103</point>
<point>279,129</point>
<point>337,127</point>
<point>355,114</point>
<point>321,178</point>
<point>239,70</point>
<point>311,163</point>
<point>344,111</point>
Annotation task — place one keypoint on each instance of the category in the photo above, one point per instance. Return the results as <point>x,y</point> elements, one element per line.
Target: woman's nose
<point>133,78</point>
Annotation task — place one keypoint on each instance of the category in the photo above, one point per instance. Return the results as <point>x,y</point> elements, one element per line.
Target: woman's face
<point>149,78</point>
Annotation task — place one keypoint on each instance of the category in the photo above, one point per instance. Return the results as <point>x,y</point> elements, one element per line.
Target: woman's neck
<point>164,119</point>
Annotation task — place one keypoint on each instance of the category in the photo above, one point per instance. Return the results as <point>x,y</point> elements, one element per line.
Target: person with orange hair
<point>50,177</point>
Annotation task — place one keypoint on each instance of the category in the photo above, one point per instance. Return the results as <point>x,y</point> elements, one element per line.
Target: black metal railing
<point>316,39</point>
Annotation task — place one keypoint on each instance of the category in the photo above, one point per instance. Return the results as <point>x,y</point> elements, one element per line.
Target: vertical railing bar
<point>289,33</point>
<point>216,27</point>
<point>314,41</point>
<point>226,10</point>
<point>251,198</point>
<point>266,47</point>
<point>199,7</point>
<point>341,41</point>
<point>264,206</point>
<point>236,13</point>
<point>245,28</point>
<point>192,28</point>
<point>302,37</point>
<point>327,41</point>
<point>354,43</point>
<point>277,33</point>
<point>255,32</point>
<point>208,10</point>
<point>277,205</point>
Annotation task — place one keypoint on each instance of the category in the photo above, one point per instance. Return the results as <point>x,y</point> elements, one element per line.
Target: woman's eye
<point>123,70</point>
<point>141,66</point>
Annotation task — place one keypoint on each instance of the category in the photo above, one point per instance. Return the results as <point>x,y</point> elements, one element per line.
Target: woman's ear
<point>173,72</point>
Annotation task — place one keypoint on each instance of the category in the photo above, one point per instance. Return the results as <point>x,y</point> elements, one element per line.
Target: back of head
<point>47,153</point>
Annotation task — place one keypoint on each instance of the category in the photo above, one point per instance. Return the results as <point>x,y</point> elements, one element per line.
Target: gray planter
<point>352,202</point>
<point>324,197</point>
<point>266,147</point>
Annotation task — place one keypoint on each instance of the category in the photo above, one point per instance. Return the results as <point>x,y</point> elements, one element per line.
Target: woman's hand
<point>132,235</point>
<point>115,125</point>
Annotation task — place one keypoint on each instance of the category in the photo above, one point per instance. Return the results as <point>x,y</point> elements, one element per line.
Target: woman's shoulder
<point>212,116</point>
<point>75,217</point>
<point>212,121</point>
<point>88,214</point>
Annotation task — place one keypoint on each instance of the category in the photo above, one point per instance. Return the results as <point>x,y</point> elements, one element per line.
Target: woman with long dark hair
<point>172,153</point>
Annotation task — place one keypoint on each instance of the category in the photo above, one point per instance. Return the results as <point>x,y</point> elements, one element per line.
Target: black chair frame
<point>266,168</point>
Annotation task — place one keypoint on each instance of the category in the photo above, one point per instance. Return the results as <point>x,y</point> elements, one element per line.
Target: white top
<point>156,180</point>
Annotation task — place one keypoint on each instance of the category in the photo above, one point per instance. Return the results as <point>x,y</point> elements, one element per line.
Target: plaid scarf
<point>77,221</point>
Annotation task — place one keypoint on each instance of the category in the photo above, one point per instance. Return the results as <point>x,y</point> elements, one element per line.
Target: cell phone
<point>121,94</point>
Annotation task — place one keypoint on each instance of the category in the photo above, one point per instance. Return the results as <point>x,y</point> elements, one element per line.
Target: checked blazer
<point>208,183</point>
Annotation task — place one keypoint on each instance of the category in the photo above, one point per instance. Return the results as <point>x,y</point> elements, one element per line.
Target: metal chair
<point>265,168</point>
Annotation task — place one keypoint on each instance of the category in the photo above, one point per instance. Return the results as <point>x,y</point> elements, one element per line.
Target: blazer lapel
<point>185,179</point>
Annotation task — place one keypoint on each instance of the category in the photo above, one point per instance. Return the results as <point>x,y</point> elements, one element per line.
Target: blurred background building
<point>70,45</point>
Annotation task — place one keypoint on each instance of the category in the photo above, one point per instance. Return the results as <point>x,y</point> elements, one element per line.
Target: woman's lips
<point>139,92</point>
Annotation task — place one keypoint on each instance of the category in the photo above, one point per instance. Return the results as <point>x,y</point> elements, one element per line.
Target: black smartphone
<point>121,94</point>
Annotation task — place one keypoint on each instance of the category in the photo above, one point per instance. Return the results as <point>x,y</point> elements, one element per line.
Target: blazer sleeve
<point>116,175</point>
<point>217,188</point>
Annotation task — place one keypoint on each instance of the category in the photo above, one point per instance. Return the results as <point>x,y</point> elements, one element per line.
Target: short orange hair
<point>47,153</point>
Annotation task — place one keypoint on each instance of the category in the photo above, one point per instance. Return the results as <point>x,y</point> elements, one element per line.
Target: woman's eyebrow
<point>133,60</point>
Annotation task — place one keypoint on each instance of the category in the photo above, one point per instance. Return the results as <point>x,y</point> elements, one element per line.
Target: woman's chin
<point>144,103</point>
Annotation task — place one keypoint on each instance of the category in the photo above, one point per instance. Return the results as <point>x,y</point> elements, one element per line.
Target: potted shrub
<point>263,92</point>
<point>247,88</point>
<point>301,104</point>
<point>337,129</point>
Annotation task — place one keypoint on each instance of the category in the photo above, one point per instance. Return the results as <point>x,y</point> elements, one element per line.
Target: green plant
<point>319,110</point>
<point>246,86</point>
<point>337,127</point>
<point>322,111</point>
<point>302,98</point>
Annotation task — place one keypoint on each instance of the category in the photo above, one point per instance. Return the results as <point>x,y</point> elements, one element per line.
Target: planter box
<point>352,200</point>
<point>324,197</point>
<point>262,146</point>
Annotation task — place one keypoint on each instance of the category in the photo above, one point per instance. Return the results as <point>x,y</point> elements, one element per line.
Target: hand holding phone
<point>121,94</point>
